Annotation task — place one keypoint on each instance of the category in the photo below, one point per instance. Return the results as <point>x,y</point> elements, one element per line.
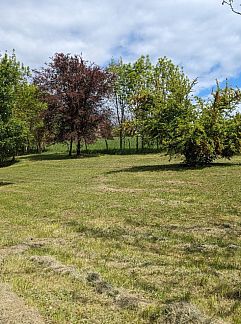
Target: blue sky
<point>201,35</point>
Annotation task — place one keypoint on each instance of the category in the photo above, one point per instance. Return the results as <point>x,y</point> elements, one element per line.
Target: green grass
<point>129,147</point>
<point>152,228</point>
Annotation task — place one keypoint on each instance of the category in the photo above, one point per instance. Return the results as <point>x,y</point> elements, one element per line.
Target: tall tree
<point>150,98</point>
<point>120,95</point>
<point>160,97</point>
<point>75,91</point>
<point>141,90</point>
<point>171,100</point>
<point>29,109</point>
<point>12,76</point>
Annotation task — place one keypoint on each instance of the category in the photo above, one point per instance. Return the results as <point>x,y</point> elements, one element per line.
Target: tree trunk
<point>70,147</point>
<point>39,147</point>
<point>129,143</point>
<point>78,148</point>
<point>106,144</point>
<point>121,140</point>
<point>137,143</point>
<point>142,143</point>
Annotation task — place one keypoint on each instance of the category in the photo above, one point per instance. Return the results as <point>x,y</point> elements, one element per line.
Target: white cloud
<point>201,35</point>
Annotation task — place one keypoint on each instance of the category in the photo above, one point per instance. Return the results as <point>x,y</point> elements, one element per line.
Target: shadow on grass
<point>4,183</point>
<point>123,152</point>
<point>56,157</point>
<point>8,163</point>
<point>173,167</point>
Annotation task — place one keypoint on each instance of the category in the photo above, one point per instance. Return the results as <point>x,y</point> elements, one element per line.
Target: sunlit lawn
<point>151,228</point>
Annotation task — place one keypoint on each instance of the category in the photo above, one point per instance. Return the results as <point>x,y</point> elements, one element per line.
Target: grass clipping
<point>186,313</point>
<point>122,299</point>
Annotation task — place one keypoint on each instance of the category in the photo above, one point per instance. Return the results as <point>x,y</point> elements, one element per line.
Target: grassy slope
<point>148,226</point>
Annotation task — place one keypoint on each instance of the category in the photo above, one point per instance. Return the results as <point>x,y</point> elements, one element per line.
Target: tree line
<point>75,101</point>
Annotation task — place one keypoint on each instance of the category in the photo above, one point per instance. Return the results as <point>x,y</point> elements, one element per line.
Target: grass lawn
<point>114,239</point>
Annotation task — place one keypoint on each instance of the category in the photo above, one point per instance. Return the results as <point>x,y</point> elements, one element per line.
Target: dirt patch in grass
<point>13,310</point>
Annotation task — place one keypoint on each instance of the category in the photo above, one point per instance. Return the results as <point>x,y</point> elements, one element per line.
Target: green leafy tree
<point>153,99</point>
<point>141,95</point>
<point>165,101</point>
<point>29,109</point>
<point>214,133</point>
<point>12,73</point>
<point>12,135</point>
<point>120,96</point>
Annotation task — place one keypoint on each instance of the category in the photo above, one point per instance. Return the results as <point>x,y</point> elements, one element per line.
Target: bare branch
<point>230,4</point>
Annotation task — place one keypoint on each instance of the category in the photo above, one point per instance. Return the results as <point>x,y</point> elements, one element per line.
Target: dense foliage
<point>214,132</point>
<point>149,98</point>
<point>21,110</point>
<point>29,109</point>
<point>12,75</point>
<point>155,102</point>
<point>74,101</point>
<point>75,92</point>
<point>12,138</point>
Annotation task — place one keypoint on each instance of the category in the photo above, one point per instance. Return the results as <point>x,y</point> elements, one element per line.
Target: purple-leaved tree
<point>75,91</point>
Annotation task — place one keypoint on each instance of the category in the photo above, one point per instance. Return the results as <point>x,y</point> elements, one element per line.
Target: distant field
<point>118,238</point>
<point>113,146</point>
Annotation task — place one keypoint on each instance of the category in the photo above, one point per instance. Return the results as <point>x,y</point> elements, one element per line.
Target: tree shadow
<point>56,157</point>
<point>125,151</point>
<point>8,163</point>
<point>4,183</point>
<point>179,167</point>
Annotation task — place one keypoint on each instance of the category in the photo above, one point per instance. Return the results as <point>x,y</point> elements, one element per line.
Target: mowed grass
<point>113,147</point>
<point>150,228</point>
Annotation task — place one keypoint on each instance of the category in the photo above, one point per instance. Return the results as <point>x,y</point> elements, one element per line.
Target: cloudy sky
<point>201,35</point>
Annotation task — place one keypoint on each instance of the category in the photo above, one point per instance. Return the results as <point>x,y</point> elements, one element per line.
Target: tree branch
<point>230,4</point>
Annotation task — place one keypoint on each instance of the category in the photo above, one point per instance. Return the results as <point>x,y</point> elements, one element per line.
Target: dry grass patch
<point>14,310</point>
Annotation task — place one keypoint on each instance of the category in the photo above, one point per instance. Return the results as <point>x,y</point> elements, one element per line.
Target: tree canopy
<point>75,91</point>
<point>72,100</point>
<point>156,101</point>
<point>12,77</point>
